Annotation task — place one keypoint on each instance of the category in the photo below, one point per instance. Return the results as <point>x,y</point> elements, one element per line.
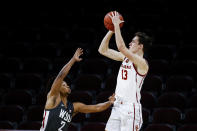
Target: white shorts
<point>125,117</point>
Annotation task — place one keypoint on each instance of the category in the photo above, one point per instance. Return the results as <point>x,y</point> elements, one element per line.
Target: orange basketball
<point>108,22</point>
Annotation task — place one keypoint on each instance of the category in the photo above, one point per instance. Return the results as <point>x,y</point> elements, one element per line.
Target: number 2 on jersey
<point>124,74</point>
<point>63,124</point>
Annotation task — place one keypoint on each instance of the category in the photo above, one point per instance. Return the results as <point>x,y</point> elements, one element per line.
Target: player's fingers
<point>116,13</point>
<point>78,49</point>
<point>110,16</point>
<point>80,59</point>
<point>81,52</point>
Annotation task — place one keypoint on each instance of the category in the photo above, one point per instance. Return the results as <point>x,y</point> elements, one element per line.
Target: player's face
<point>134,45</point>
<point>65,89</point>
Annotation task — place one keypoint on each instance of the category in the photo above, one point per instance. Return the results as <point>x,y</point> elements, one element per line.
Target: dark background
<point>37,39</point>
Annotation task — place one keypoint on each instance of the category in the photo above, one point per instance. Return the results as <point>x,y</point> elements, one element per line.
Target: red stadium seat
<point>94,66</point>
<point>146,115</point>
<point>89,82</point>
<point>159,127</point>
<point>72,127</point>
<point>172,99</point>
<point>81,96</point>
<point>28,81</point>
<point>97,126</point>
<point>35,113</point>
<point>36,65</point>
<point>158,67</point>
<point>103,96</point>
<point>190,116</point>
<point>12,113</point>
<point>110,83</point>
<point>184,67</point>
<point>18,97</point>
<point>6,125</point>
<point>192,102</point>
<point>100,116</point>
<point>180,83</point>
<point>167,115</point>
<point>148,100</point>
<point>30,125</point>
<point>188,127</point>
<point>153,83</point>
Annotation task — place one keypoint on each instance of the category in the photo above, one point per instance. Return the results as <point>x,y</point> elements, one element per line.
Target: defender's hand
<point>112,98</point>
<point>77,54</point>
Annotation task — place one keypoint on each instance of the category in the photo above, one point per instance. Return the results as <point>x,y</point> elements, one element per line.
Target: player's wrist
<point>111,32</point>
<point>111,102</point>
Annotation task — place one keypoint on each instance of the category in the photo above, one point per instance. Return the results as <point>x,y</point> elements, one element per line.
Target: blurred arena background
<point>36,40</point>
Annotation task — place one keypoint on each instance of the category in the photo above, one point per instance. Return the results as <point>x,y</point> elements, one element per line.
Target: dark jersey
<point>58,118</point>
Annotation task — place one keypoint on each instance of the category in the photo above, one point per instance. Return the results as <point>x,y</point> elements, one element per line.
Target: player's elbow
<point>121,48</point>
<point>101,51</point>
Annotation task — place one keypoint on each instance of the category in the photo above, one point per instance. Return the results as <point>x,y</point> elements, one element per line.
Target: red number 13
<point>124,74</point>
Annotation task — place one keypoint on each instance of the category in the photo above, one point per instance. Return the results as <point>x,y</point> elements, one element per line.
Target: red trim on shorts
<point>134,117</point>
<point>140,116</point>
<point>44,118</point>
<point>136,97</point>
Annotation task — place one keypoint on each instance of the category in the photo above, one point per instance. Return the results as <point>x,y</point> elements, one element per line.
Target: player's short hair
<point>51,79</point>
<point>145,40</point>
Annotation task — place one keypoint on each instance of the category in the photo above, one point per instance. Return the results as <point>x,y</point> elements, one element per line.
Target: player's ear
<point>141,46</point>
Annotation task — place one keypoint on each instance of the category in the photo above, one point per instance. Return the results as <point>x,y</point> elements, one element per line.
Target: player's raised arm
<point>83,108</point>
<point>139,61</point>
<point>55,89</point>
<point>106,51</point>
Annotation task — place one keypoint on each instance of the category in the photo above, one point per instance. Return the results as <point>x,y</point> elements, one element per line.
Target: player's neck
<point>63,96</point>
<point>64,99</point>
<point>140,53</point>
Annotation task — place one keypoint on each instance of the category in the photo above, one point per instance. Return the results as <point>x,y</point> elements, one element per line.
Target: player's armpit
<point>139,62</point>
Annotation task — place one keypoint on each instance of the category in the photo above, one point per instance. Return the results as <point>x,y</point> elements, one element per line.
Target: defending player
<point>58,110</point>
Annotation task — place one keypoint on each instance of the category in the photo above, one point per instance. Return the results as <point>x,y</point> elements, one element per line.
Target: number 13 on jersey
<point>124,74</point>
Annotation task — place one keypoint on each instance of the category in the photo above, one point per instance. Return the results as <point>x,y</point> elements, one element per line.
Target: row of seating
<point>171,116</point>
<point>148,99</point>
<point>169,91</point>
<point>154,83</point>
<point>104,66</point>
<point>98,126</point>
<point>166,52</point>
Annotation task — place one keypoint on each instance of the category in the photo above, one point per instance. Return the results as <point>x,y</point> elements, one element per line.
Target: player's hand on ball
<point>77,54</point>
<point>115,18</point>
<point>112,98</point>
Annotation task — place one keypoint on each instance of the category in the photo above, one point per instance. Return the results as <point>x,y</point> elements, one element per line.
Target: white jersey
<point>129,83</point>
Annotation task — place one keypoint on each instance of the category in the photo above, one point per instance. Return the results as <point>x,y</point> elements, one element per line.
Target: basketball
<point>108,22</point>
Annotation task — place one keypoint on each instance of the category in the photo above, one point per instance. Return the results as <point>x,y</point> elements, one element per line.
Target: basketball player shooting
<point>58,110</point>
<point>126,114</point>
